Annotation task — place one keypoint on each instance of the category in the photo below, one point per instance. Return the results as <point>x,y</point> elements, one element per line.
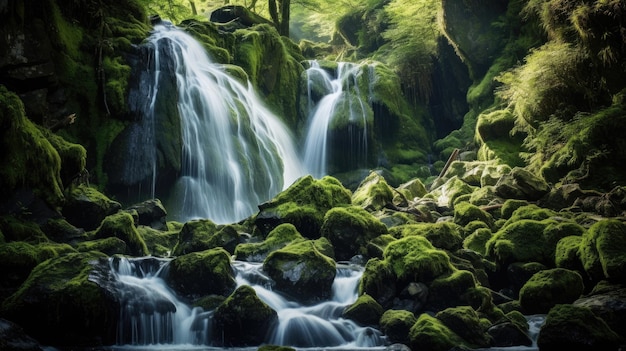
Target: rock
<point>151,213</point>
<point>349,229</point>
<point>572,327</point>
<point>243,319</point>
<point>601,250</point>
<point>13,338</point>
<point>607,301</point>
<point>365,311</point>
<point>86,207</point>
<point>548,288</point>
<point>122,226</point>
<point>373,193</point>
<point>198,274</point>
<point>302,271</point>
<point>304,205</point>
<point>465,322</point>
<point>395,324</point>
<point>278,238</point>
<point>521,184</point>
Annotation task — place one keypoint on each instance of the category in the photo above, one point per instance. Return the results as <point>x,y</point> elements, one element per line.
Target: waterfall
<point>152,314</point>
<point>342,99</point>
<point>235,154</point>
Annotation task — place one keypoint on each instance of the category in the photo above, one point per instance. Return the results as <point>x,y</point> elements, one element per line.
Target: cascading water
<point>235,153</point>
<point>151,314</point>
<point>343,97</point>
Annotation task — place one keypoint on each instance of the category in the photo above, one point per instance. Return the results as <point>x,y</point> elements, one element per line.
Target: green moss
<point>377,274</point>
<point>442,235</point>
<point>510,205</point>
<point>122,225</point>
<point>202,273</point>
<point>453,289</point>
<point>279,237</point>
<point>429,333</point>
<point>521,241</point>
<point>566,253</point>
<point>365,311</point>
<point>465,212</point>
<point>349,229</point>
<point>601,250</point>
<point>16,229</point>
<point>548,288</point>
<point>395,324</point>
<point>159,243</point>
<point>29,160</point>
<point>477,241</point>
<point>373,193</point>
<point>414,258</point>
<point>109,246</point>
<point>465,322</point>
<point>530,211</point>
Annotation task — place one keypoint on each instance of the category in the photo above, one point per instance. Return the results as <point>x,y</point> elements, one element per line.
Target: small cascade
<point>342,108</point>
<point>150,312</point>
<point>234,153</point>
<point>319,325</point>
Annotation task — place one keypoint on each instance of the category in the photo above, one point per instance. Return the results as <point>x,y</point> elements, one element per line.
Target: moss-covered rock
<point>122,226</point>
<point>86,207</point>
<point>429,333</point>
<point>601,250</point>
<point>15,228</point>
<point>379,281</point>
<point>395,324</point>
<point>477,240</point>
<point>451,190</point>
<point>414,258</point>
<point>278,238</point>
<point>364,311</point>
<point>350,229</point>
<point>511,330</point>
<point>202,273</point>
<point>302,270</point>
<point>304,205</point>
<point>548,288</point>
<point>373,193</point>
<point>453,289</point>
<point>465,322</point>
<point>243,319</point>
<point>29,160</point>
<point>109,246</point>
<point>160,243</point>
<point>575,327</point>
<point>465,212</point>
<point>521,184</point>
<point>521,241</point>
<point>566,253</point>
<point>203,234</point>
<point>442,235</point>
<point>63,284</point>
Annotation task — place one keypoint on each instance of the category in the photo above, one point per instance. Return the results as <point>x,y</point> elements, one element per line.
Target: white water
<point>322,113</point>
<point>151,314</point>
<point>236,154</point>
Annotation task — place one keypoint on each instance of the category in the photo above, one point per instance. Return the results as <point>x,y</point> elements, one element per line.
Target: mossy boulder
<point>122,226</point>
<point>203,234</point>
<point>302,270</point>
<point>29,160</point>
<point>278,238</point>
<point>243,319</point>
<point>466,323</point>
<point>350,229</point>
<point>548,288</point>
<point>160,243</point>
<point>63,284</point>
<point>575,328</point>
<point>14,228</point>
<point>477,240</point>
<point>454,289</point>
<point>451,190</point>
<point>364,311</point>
<point>430,333</point>
<point>379,281</point>
<point>566,253</point>
<point>202,273</point>
<point>521,241</point>
<point>373,193</point>
<point>150,213</point>
<point>395,324</point>
<point>465,212</point>
<point>408,191</point>
<point>86,207</point>
<point>109,246</point>
<point>511,330</point>
<point>521,184</point>
<point>601,250</point>
<point>442,235</point>
<point>414,258</point>
<point>61,231</point>
<point>304,205</point>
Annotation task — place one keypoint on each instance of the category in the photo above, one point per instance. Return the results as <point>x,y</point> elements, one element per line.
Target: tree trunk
<point>280,19</point>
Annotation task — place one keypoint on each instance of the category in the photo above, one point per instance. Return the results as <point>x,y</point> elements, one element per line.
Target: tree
<point>279,12</point>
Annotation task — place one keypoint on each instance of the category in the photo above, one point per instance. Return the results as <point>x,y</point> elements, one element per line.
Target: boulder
<point>349,229</point>
<point>395,324</point>
<point>521,184</point>
<point>302,270</point>
<point>572,327</point>
<point>364,311</point>
<point>548,288</point>
<point>122,226</point>
<point>243,319</point>
<point>202,273</point>
<point>86,207</point>
<point>278,238</point>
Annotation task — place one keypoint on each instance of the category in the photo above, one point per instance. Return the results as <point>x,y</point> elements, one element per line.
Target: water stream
<point>151,313</point>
